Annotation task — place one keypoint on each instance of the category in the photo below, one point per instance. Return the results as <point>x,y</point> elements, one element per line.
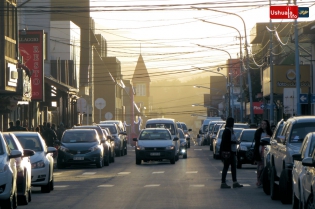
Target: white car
<point>8,173</point>
<point>23,166</point>
<point>42,162</point>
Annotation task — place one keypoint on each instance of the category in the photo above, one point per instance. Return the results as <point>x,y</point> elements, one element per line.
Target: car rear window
<point>155,135</point>
<point>300,130</point>
<point>169,126</point>
<point>79,136</point>
<point>98,129</point>
<point>112,129</point>
<point>247,136</point>
<point>184,127</point>
<point>30,142</point>
<point>181,134</point>
<point>10,142</point>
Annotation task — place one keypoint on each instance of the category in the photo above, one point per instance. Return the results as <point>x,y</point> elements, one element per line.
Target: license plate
<point>78,158</point>
<point>155,154</point>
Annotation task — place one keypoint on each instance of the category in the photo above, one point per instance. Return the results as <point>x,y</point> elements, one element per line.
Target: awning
<point>61,86</point>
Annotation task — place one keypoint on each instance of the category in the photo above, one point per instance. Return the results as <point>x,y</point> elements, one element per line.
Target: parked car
<point>288,143</point>
<point>211,133</point>
<point>111,142</point>
<point>103,138</point>
<point>42,162</point>
<point>266,171</point>
<point>183,143</point>
<point>23,167</point>
<point>245,154</point>
<point>187,131</point>
<point>155,144</point>
<point>166,123</point>
<point>299,174</point>
<point>8,175</point>
<point>80,146</point>
<point>217,141</point>
<point>216,127</point>
<point>119,138</point>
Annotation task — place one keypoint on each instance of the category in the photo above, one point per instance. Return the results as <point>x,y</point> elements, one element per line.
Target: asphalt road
<point>190,183</point>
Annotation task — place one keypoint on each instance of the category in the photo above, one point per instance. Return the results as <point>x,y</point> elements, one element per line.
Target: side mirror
<point>134,139</point>
<point>123,133</point>
<point>308,161</point>
<point>28,153</point>
<point>190,129</point>
<point>296,157</point>
<point>265,141</point>
<point>109,137</point>
<point>200,132</point>
<point>215,133</point>
<point>15,154</point>
<point>51,149</point>
<point>175,139</point>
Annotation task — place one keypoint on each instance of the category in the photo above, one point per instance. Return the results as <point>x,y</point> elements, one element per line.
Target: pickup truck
<point>281,150</point>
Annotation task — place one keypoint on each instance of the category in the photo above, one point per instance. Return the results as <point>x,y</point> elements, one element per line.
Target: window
<point>140,89</point>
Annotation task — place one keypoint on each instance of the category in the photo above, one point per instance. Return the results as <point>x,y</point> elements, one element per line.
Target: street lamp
<point>246,50</point>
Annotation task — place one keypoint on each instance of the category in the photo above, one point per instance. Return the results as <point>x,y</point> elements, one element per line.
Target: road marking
<point>152,185</point>
<point>191,172</point>
<point>157,172</point>
<point>197,149</point>
<point>197,185</point>
<point>60,186</point>
<point>246,185</point>
<point>123,173</point>
<point>88,173</point>
<point>56,174</point>
<point>227,172</point>
<point>105,185</point>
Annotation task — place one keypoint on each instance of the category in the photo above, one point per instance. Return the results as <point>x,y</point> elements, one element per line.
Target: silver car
<point>42,162</point>
<point>23,166</point>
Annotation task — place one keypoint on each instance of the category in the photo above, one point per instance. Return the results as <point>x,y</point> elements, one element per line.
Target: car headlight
<point>38,164</point>
<point>94,148</point>
<point>140,148</point>
<point>243,148</point>
<point>64,149</point>
<point>186,135</point>
<point>170,147</point>
<point>4,169</point>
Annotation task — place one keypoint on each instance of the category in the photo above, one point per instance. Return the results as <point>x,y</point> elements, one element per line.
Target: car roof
<point>302,119</point>
<point>160,120</point>
<point>28,133</point>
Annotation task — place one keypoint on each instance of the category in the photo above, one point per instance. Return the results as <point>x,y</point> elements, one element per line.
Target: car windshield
<point>179,125</point>
<point>300,130</point>
<point>155,135</point>
<point>1,147</point>
<point>205,128</point>
<point>97,128</point>
<point>30,142</point>
<point>10,142</point>
<point>241,126</point>
<point>181,134</point>
<point>169,126</point>
<point>247,136</point>
<point>210,127</point>
<point>237,133</point>
<point>184,127</point>
<point>85,136</point>
<point>216,127</point>
<point>111,128</point>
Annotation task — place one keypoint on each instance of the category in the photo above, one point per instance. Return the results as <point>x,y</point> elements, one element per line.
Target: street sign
<point>303,98</point>
<point>313,98</point>
<point>262,106</point>
<point>100,103</point>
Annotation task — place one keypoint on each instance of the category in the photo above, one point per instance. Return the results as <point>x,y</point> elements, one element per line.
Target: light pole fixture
<point>246,51</point>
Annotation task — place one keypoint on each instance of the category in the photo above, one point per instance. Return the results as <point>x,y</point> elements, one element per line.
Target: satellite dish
<point>100,103</point>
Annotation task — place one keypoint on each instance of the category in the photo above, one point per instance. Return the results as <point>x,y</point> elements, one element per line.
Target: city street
<point>190,183</point>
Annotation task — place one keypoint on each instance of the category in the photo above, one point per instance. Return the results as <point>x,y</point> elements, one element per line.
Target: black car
<point>105,141</point>
<point>80,146</point>
<point>245,148</point>
<point>183,143</point>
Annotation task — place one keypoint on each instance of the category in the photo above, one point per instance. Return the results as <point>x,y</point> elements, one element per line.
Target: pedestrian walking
<point>18,126</point>
<point>228,153</point>
<point>263,131</point>
<point>60,131</point>
<point>49,136</point>
<point>11,126</point>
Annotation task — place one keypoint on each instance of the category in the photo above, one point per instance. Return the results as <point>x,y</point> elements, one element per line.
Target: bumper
<point>242,156</point>
<point>40,176</point>
<point>87,158</point>
<point>5,185</point>
<point>155,155</point>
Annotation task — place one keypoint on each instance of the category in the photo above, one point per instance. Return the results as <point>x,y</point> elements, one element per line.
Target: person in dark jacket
<point>228,144</point>
<point>263,131</point>
<point>49,136</point>
<point>18,126</point>
<point>11,126</point>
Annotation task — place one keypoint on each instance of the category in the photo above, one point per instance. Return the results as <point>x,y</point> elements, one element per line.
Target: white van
<point>169,124</point>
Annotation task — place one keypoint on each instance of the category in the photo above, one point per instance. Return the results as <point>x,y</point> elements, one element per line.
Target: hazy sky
<point>169,31</point>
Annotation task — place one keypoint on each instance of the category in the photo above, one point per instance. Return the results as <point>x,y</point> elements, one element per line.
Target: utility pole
<point>271,111</point>
<point>297,65</point>
<point>241,81</point>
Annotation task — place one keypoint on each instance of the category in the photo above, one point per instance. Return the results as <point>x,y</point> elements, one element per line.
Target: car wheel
<point>185,155</point>
<point>295,202</point>
<point>239,163</point>
<point>122,152</point>
<point>45,188</point>
<point>106,159</point>
<point>274,188</point>
<point>172,161</point>
<point>60,165</point>
<point>100,163</point>
<point>285,187</point>
<point>138,161</point>
<point>10,202</point>
<point>125,149</point>
<point>23,199</point>
<point>310,202</point>
<point>265,180</point>
<point>177,157</point>
<point>29,195</point>
<point>188,145</point>
<point>211,146</point>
